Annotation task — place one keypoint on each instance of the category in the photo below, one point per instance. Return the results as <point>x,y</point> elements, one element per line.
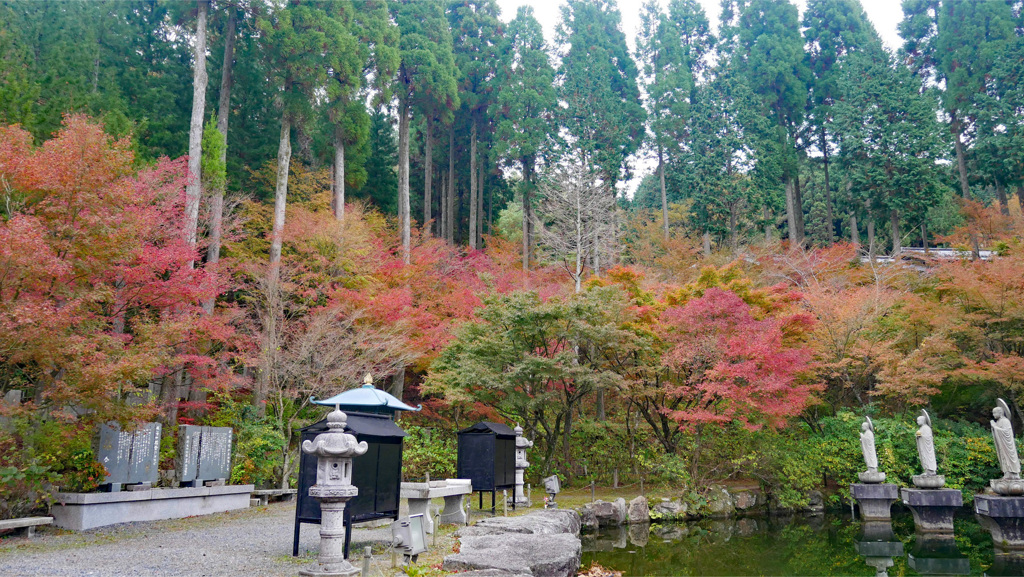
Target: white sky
<point>885,15</point>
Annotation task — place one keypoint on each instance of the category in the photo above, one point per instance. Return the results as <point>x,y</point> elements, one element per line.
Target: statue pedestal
<point>1004,519</point>
<point>933,509</point>
<point>875,499</point>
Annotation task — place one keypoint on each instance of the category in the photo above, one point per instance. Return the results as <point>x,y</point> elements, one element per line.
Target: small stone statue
<point>926,452</point>
<point>1006,450</point>
<point>867,445</point>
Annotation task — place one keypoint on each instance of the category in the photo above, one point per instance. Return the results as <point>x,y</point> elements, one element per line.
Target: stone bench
<point>452,490</point>
<point>266,495</point>
<point>27,525</point>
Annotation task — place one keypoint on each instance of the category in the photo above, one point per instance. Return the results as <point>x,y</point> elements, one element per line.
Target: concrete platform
<point>1004,519</point>
<point>875,499</point>
<point>80,511</point>
<point>933,509</point>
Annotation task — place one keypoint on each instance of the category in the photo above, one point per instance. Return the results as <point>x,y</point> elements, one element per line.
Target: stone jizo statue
<point>926,453</point>
<point>867,445</point>
<point>1006,451</point>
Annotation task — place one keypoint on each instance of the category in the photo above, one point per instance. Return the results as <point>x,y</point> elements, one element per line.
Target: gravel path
<point>250,542</point>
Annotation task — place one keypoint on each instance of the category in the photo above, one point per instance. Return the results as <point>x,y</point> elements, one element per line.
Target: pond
<point>830,544</point>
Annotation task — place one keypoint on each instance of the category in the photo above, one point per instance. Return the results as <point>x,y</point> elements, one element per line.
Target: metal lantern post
<point>334,450</point>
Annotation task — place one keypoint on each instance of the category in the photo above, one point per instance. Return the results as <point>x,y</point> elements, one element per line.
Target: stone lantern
<point>334,450</point>
<point>522,444</point>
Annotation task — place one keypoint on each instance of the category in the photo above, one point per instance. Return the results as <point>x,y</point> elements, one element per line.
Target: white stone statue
<point>1006,445</point>
<point>867,445</point>
<point>926,444</point>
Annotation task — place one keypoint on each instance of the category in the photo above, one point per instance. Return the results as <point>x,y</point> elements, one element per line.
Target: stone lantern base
<point>875,500</point>
<point>933,509</point>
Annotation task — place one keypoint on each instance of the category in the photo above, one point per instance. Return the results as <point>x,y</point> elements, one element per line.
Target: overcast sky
<point>885,15</point>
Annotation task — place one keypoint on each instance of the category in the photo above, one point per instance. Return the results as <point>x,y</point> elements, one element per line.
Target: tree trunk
<point>223,108</point>
<point>871,231</point>
<point>472,186</point>
<point>428,173</point>
<point>707,244</point>
<point>854,233</point>
<point>403,179</point>
<point>527,185</point>
<point>1020,196</point>
<point>961,158</point>
<point>828,192</point>
<point>450,233</point>
<point>442,207</point>
<point>193,188</point>
<point>894,222</point>
<point>664,193</point>
<point>798,209</point>
<point>924,237</point>
<point>284,157</point>
<point>339,173</point>
<point>398,384</point>
<point>734,237</point>
<point>790,213</point>
<point>1004,203</point>
<point>480,202</point>
<point>767,226</point>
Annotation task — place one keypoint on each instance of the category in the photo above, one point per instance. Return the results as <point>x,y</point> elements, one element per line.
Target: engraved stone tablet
<point>215,454</point>
<point>114,453</point>
<point>145,457</point>
<point>187,462</point>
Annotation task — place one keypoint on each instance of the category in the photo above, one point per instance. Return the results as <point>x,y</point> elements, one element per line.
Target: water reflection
<point>823,545</point>
<point>937,555</point>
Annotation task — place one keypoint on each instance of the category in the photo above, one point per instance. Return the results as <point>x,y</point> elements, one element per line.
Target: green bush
<point>428,450</point>
<point>258,444</point>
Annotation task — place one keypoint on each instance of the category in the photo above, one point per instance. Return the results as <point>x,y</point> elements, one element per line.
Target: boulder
<point>671,532</point>
<point>492,573</point>
<point>815,503</point>
<point>555,555</point>
<point>637,511</point>
<point>671,510</point>
<point>639,534</point>
<point>543,522</point>
<point>719,503</point>
<point>604,514</point>
<point>588,519</point>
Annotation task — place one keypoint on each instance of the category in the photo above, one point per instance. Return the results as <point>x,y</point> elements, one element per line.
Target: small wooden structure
<point>487,456</point>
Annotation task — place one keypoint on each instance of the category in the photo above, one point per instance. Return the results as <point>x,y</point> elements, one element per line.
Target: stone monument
<point>130,457</point>
<point>334,450</point>
<point>1003,513</point>
<point>874,497</point>
<point>552,487</point>
<point>522,444</point>
<point>204,455</point>
<point>933,507</point>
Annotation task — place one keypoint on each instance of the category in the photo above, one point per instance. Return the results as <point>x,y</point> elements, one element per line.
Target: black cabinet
<point>487,457</point>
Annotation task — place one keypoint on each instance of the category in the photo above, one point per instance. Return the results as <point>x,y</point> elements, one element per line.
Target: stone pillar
<point>875,499</point>
<point>522,444</point>
<point>1003,516</point>
<point>334,450</point>
<point>933,509</point>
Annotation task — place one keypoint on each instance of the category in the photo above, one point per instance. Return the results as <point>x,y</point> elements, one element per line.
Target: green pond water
<point>832,544</point>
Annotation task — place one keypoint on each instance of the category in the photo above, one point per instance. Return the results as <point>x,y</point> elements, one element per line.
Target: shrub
<point>428,450</point>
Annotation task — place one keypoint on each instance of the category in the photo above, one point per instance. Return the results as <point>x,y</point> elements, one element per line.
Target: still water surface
<point>832,544</point>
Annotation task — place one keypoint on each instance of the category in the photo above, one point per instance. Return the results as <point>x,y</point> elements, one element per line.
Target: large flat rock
<point>544,522</point>
<point>539,555</point>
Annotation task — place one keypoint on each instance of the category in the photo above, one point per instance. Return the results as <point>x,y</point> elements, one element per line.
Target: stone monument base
<point>1004,519</point>
<point>1007,486</point>
<point>929,481</point>
<point>933,509</point>
<point>80,511</point>
<point>875,500</point>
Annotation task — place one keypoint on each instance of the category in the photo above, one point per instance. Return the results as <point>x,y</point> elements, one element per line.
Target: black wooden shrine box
<point>487,456</point>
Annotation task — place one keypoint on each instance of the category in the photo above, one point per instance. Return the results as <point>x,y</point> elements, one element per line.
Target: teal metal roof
<point>366,398</point>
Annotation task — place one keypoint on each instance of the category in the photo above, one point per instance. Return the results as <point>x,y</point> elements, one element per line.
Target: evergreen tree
<point>672,48</point>
<point>832,30</point>
<point>525,106</point>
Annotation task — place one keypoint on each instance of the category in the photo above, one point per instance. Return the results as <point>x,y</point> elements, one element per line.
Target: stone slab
<point>23,522</point>
<point>542,522</point>
<point>537,555</point>
<point>81,511</point>
<point>425,491</point>
<point>933,509</point>
<point>1003,517</point>
<point>204,453</point>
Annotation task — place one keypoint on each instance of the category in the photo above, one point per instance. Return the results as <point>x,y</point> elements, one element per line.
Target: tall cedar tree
<point>476,34</point>
<point>955,44</point>
<point>427,75</point>
<point>832,30</point>
<point>672,49</point>
<point>525,107</point>
<point>193,188</point>
<point>763,37</point>
<point>372,55</point>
